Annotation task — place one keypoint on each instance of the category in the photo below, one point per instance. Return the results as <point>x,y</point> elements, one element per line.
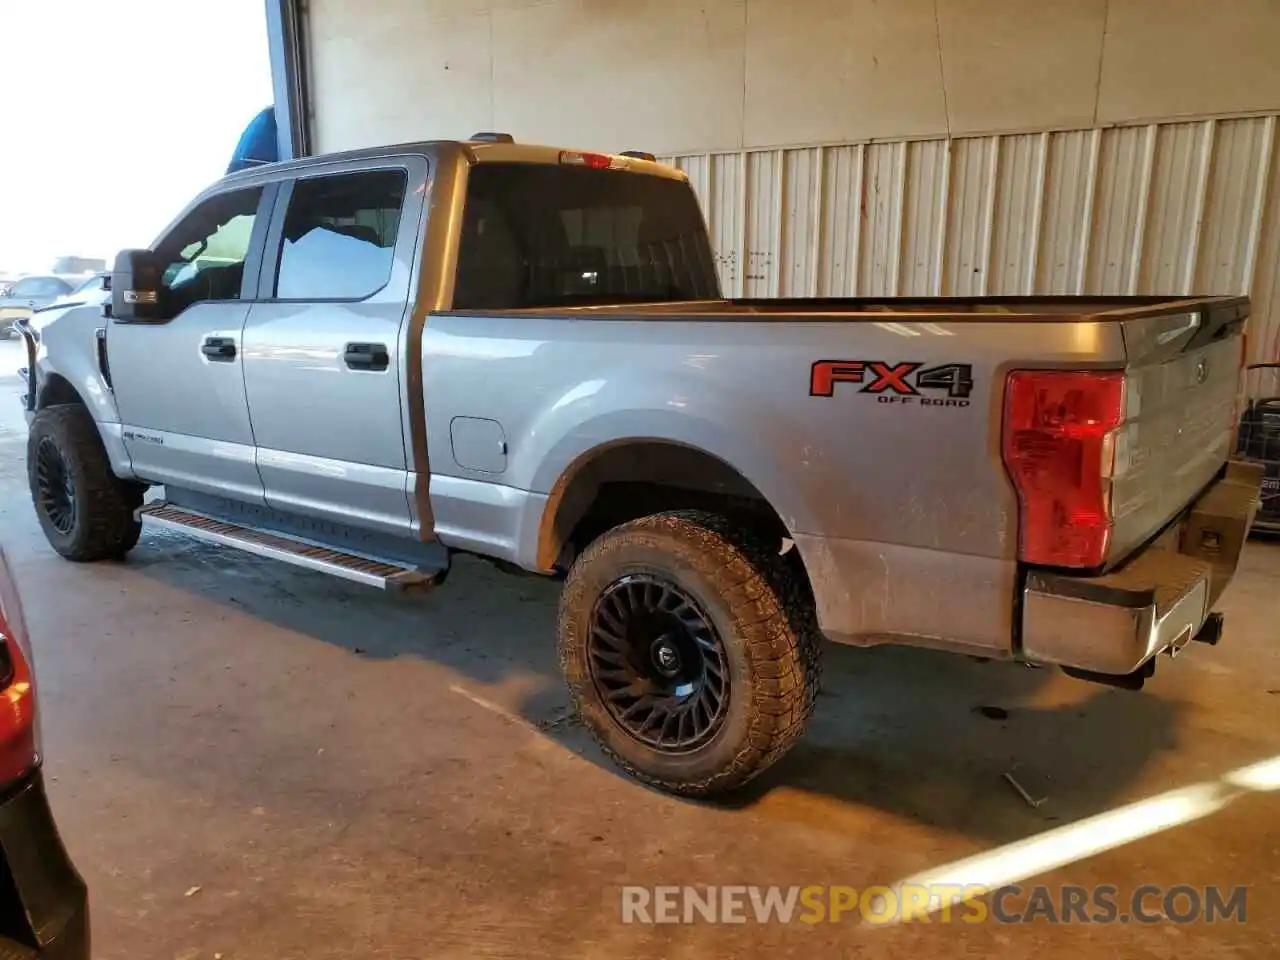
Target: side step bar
<point>349,566</point>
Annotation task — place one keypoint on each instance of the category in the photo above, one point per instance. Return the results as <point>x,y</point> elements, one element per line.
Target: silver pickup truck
<point>367,363</point>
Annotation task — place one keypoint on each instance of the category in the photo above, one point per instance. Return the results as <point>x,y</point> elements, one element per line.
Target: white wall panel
<point>801,222</point>
<point>1157,208</point>
<point>676,76</point>
<point>883,189</point>
<point>1170,58</point>
<point>1233,205</point>
<point>1265,287</point>
<point>1012,64</point>
<point>969,220</point>
<point>1067,214</point>
<point>764,236</point>
<point>839,203</point>
<point>925,196</point>
<point>1019,201</point>
<point>1122,185</point>
<point>1175,207</point>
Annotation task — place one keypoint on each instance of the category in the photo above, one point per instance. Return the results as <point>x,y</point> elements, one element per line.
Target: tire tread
<point>108,529</point>
<point>775,619</point>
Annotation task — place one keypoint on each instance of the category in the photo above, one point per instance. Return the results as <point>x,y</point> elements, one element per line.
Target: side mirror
<point>135,287</point>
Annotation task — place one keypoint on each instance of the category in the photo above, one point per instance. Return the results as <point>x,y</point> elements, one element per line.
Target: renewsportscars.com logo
<point>936,903</point>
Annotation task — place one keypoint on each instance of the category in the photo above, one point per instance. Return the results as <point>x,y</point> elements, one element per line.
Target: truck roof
<point>475,151</point>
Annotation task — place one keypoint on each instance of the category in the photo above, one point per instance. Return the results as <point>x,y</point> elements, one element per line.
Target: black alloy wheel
<point>85,511</point>
<point>658,664</point>
<point>56,486</point>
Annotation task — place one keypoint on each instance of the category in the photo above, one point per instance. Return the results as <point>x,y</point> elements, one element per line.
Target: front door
<point>324,357</point>
<point>179,382</point>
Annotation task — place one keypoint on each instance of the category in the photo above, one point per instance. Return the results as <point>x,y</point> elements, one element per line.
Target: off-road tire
<point>763,613</point>
<point>104,527</point>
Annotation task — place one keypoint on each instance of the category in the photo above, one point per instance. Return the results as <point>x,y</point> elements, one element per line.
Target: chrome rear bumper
<point>1158,601</point>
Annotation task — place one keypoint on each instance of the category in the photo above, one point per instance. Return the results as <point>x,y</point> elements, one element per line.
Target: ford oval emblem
<point>1202,371</point>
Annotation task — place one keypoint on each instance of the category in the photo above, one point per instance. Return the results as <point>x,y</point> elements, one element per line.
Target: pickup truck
<point>368,363</point>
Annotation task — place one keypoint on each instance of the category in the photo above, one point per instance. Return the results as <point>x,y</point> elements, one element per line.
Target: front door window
<point>205,254</point>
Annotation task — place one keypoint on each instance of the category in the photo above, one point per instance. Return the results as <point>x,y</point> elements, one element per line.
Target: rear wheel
<point>85,510</point>
<point>690,651</point>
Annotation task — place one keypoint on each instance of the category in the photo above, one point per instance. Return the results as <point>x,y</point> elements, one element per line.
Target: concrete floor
<point>346,775</point>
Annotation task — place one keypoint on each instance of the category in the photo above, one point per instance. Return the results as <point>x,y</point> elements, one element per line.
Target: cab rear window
<point>539,235</point>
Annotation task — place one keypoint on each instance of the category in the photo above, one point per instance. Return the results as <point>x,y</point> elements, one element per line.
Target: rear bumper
<point>1114,623</point>
<point>49,918</point>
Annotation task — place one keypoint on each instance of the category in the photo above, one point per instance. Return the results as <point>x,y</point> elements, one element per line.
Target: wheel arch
<point>56,390</point>
<point>69,374</point>
<point>627,478</point>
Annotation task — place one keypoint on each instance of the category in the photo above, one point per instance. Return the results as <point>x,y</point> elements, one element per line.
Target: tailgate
<point>1183,382</point>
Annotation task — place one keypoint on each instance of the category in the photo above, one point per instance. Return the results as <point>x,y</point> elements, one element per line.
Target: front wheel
<point>85,510</point>
<point>690,651</point>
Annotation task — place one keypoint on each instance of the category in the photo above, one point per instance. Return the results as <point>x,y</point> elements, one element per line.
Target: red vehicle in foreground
<point>44,912</point>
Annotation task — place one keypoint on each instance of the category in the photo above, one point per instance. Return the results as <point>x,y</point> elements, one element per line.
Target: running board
<point>349,566</point>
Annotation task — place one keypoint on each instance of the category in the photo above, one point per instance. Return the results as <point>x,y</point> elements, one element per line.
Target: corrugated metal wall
<point>1160,208</point>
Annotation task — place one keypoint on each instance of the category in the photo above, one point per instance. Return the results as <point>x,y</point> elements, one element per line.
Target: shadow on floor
<point>896,729</point>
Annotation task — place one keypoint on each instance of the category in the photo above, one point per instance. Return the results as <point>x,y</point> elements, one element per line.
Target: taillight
<point>19,750</point>
<point>596,161</point>
<point>1058,448</point>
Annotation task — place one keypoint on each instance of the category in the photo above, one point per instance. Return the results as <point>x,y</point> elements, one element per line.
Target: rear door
<point>324,345</point>
<point>179,383</point>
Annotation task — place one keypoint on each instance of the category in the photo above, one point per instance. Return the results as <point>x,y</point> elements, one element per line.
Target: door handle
<point>367,356</point>
<point>219,349</point>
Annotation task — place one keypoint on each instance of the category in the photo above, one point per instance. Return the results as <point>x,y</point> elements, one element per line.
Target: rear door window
<point>542,235</point>
<point>339,237</point>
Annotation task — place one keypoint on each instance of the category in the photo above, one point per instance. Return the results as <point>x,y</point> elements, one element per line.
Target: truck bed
<point>1181,356</point>
<point>844,309</point>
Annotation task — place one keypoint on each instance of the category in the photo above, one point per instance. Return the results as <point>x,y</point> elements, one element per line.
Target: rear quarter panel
<point>901,510</point>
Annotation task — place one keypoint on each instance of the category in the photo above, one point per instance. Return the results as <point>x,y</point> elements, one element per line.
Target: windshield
<point>536,235</point>
<point>40,287</point>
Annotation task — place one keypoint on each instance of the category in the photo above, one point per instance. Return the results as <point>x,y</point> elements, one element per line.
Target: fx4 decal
<point>896,382</point>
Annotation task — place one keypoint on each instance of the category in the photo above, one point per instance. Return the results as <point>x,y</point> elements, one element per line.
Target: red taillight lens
<point>19,751</point>
<point>1057,448</point>
<point>596,161</point>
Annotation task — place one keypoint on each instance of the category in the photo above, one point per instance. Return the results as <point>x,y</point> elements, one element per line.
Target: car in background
<point>90,290</point>
<point>44,908</point>
<point>28,294</point>
<point>91,294</point>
